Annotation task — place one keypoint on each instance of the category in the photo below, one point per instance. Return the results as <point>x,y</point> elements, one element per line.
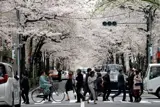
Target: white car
<point>151,80</point>
<point>9,86</point>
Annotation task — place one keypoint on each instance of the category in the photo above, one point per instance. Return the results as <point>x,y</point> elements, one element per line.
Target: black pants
<point>107,91</point>
<point>79,94</point>
<point>121,88</point>
<point>131,94</point>
<point>25,96</point>
<point>86,90</point>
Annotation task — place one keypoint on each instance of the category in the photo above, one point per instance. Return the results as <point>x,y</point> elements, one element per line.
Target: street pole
<point>150,35</point>
<point>18,54</point>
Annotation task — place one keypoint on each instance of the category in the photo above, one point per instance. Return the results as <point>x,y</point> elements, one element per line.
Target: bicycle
<point>57,95</point>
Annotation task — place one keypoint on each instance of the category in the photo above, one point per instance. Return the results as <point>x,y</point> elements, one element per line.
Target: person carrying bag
<point>137,86</point>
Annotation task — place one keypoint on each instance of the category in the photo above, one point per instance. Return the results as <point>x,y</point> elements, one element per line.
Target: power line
<point>91,17</point>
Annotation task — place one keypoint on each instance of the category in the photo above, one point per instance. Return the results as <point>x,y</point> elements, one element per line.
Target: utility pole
<point>18,53</point>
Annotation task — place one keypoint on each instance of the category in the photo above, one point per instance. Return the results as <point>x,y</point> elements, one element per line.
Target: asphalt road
<point>147,101</point>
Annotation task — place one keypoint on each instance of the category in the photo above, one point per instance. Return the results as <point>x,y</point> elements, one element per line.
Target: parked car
<point>9,86</point>
<point>64,74</point>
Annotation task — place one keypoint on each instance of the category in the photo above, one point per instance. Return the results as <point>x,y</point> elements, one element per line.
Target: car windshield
<point>155,71</point>
<point>114,67</point>
<point>2,72</point>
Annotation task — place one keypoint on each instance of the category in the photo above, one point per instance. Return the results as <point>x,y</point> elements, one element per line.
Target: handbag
<point>138,84</point>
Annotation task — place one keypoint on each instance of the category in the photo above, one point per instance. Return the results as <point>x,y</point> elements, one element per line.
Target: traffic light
<point>109,23</point>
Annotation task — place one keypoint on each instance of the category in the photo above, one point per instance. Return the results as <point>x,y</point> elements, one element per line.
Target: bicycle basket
<point>56,86</point>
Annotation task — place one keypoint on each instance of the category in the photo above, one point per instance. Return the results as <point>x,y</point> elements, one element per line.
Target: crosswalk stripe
<point>144,101</point>
<point>72,101</point>
<point>108,101</point>
<point>40,102</point>
<point>124,101</point>
<point>156,101</point>
<point>55,102</point>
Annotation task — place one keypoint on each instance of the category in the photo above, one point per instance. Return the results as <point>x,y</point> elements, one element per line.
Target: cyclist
<point>45,85</point>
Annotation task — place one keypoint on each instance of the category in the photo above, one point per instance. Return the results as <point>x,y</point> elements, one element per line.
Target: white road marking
<point>82,104</point>
<point>145,102</point>
<point>91,101</point>
<point>40,102</point>
<point>124,101</point>
<point>56,102</point>
<point>108,101</point>
<point>156,101</point>
<point>72,101</point>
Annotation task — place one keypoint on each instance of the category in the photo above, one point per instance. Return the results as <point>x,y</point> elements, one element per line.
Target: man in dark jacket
<point>106,85</point>
<point>79,86</point>
<point>86,88</point>
<point>130,84</point>
<point>121,86</point>
<point>25,88</point>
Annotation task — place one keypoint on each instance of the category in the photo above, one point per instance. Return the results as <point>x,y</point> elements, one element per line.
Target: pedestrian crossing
<point>116,101</point>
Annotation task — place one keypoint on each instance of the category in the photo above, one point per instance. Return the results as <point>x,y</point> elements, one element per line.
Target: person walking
<point>86,88</point>
<point>106,85</point>
<point>130,83</point>
<point>91,85</point>
<point>25,88</point>
<point>121,86</point>
<point>79,86</point>
<point>137,86</point>
<point>69,85</point>
<point>99,85</point>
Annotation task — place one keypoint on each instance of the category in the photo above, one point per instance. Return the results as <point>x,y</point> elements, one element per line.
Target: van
<point>152,80</point>
<point>9,86</point>
<point>114,72</point>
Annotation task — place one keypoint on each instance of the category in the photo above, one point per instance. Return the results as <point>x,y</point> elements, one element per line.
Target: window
<point>154,72</point>
<point>2,70</point>
<point>114,67</point>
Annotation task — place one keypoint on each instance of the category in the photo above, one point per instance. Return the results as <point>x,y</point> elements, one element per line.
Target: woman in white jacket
<point>91,85</point>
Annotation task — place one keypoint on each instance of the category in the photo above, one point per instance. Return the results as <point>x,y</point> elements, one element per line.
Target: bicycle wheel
<point>37,95</point>
<point>58,95</point>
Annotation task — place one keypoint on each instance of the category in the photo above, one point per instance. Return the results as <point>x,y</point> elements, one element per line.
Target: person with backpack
<point>106,86</point>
